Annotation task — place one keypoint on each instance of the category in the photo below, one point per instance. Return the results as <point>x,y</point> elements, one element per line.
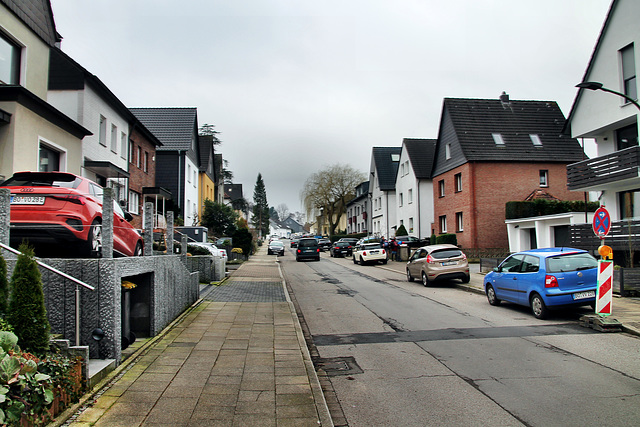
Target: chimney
<point>504,98</point>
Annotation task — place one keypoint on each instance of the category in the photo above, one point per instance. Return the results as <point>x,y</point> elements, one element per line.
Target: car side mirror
<point>128,216</point>
<point>497,269</point>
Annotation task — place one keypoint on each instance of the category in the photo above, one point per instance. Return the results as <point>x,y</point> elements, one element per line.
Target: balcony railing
<point>594,173</point>
<point>623,234</point>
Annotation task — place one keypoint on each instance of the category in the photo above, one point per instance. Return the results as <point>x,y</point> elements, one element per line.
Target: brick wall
<point>486,188</point>
<point>138,177</point>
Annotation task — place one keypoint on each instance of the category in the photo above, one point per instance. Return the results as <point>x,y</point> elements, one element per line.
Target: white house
<point>382,188</point>
<point>414,187</point>
<point>357,210</point>
<point>606,109</point>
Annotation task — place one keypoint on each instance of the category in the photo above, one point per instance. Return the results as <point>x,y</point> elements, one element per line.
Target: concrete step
<point>99,369</point>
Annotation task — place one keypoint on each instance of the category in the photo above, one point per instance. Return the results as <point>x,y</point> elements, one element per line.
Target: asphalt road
<point>443,356</point>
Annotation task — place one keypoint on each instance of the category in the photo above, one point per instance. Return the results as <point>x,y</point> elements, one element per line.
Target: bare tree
<point>283,211</point>
<point>327,192</point>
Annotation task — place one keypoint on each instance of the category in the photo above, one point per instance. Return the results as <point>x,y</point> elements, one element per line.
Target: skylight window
<point>395,157</point>
<point>497,138</point>
<point>536,140</point>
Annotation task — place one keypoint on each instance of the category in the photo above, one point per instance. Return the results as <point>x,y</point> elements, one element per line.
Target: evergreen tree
<point>260,218</point>
<point>27,313</point>
<point>4,287</point>
<point>219,218</point>
<point>401,231</point>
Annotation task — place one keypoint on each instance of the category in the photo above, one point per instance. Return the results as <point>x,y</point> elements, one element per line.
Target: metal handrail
<point>66,276</point>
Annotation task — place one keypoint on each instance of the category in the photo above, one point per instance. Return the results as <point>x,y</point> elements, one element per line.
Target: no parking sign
<point>601,222</point>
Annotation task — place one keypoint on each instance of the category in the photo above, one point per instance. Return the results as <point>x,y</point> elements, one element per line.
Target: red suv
<point>60,208</point>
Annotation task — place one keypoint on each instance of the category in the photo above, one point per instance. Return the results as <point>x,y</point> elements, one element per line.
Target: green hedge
<point>447,238</point>
<point>540,207</point>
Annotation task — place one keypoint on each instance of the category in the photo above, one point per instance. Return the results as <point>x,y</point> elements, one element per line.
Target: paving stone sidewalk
<point>236,359</point>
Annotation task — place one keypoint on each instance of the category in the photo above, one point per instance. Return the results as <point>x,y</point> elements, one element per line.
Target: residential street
<point>443,356</point>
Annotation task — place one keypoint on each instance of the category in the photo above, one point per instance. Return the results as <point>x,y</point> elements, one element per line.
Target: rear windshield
<point>570,262</point>
<point>342,244</point>
<point>42,179</point>
<point>307,243</point>
<point>372,246</point>
<point>446,253</point>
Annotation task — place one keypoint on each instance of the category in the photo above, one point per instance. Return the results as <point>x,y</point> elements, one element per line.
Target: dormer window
<point>497,138</point>
<point>536,140</point>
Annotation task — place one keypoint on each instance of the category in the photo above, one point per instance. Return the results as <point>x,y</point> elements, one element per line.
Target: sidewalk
<point>625,310</point>
<point>237,358</point>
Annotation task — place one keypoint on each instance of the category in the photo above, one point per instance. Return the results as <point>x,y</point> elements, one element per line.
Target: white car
<point>369,253</point>
<point>213,249</point>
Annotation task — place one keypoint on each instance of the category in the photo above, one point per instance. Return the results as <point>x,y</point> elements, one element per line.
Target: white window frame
<point>102,135</point>
<point>544,178</point>
<point>134,202</point>
<point>123,145</point>
<point>52,146</point>
<point>443,223</point>
<point>459,221</point>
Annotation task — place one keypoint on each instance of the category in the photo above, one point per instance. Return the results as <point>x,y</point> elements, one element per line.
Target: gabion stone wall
<point>173,289</point>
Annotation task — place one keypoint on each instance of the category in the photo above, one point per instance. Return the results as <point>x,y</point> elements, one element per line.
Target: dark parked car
<point>275,247</point>
<point>54,210</point>
<point>308,249</point>
<point>543,279</point>
<point>294,243</point>
<point>324,244</point>
<point>411,241</point>
<point>341,249</point>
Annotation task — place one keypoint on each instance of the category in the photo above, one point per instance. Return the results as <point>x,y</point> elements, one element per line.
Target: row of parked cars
<point>541,279</point>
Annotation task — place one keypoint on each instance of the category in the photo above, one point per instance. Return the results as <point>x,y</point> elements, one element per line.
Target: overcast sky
<point>297,85</point>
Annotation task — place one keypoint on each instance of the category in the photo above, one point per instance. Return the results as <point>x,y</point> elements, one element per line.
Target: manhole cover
<point>334,366</point>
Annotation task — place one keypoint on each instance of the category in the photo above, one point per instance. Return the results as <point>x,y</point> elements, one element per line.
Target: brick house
<point>490,152</point>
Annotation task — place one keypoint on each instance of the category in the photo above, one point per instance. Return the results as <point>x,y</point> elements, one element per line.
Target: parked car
<point>294,243</point>
<point>351,240</point>
<point>60,209</point>
<point>341,249</point>
<point>543,279</point>
<point>411,241</point>
<point>438,262</point>
<point>210,248</point>
<point>369,253</point>
<point>224,241</point>
<point>308,249</point>
<point>324,244</point>
<point>275,247</point>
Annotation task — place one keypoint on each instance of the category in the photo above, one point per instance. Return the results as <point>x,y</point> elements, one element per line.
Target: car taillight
<point>383,252</point>
<point>73,198</point>
<point>364,253</point>
<point>430,259</point>
<point>318,250</point>
<point>299,251</point>
<point>550,281</point>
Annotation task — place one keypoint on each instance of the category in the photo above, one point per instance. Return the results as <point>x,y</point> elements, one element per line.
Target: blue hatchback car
<point>544,278</point>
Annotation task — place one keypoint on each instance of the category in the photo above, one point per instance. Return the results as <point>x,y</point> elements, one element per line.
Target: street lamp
<point>598,86</point>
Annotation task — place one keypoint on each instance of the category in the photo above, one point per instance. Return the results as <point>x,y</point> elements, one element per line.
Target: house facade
<point>34,135</point>
<point>206,172</point>
<point>382,190</point>
<point>357,210</point>
<point>414,187</point>
<point>177,160</point>
<point>612,121</point>
<point>490,152</point>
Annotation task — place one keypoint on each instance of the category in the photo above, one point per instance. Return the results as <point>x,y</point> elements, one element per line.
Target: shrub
<point>402,231</point>
<point>4,287</point>
<point>27,313</point>
<point>447,238</point>
<point>242,238</point>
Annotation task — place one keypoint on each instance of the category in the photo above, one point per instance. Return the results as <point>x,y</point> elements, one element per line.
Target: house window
<point>410,225</point>
<point>189,173</point>
<point>138,156</point>
<point>9,61</point>
<point>410,194</point>
<point>401,200</point>
<point>627,137</point>
<point>544,178</point>
<point>447,151</point>
<point>535,139</point>
<point>114,138</point>
<point>459,223</point>
<point>49,159</point>
<point>146,162</point>
<point>629,209</point>
<point>443,224</point>
<point>123,145</point>
<point>130,151</point>
<point>441,188</point>
<point>458,180</point>
<point>629,72</point>
<point>134,202</point>
<point>102,138</point>
<point>497,138</point>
